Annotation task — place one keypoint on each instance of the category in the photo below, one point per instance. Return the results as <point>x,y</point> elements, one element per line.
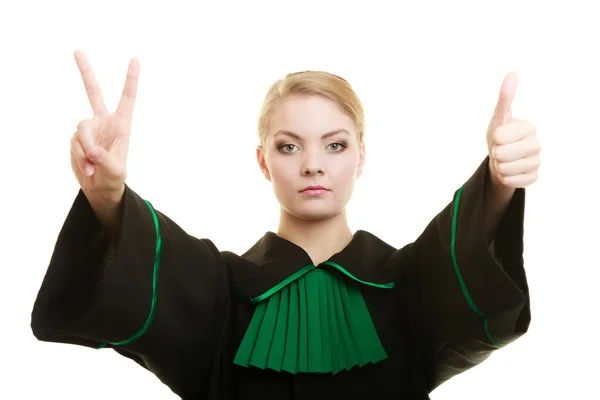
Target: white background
<point>429,77</point>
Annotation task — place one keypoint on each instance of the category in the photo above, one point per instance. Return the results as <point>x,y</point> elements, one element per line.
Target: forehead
<point>309,116</point>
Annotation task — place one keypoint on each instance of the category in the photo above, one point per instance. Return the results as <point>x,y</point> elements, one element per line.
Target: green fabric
<point>315,323</point>
<point>309,268</point>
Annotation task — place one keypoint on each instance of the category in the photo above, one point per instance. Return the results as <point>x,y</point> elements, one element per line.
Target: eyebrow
<point>296,136</point>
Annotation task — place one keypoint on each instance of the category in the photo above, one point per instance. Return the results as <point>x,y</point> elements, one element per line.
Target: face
<point>311,142</point>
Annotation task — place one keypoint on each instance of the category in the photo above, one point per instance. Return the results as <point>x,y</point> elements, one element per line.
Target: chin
<point>312,213</point>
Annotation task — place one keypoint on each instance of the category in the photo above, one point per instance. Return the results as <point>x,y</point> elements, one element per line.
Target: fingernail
<point>89,170</point>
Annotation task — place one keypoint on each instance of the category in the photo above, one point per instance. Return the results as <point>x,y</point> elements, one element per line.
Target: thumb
<point>94,153</point>
<point>503,111</point>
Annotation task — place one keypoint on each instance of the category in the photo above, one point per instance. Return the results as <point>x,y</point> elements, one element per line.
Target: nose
<point>307,171</point>
<point>312,166</point>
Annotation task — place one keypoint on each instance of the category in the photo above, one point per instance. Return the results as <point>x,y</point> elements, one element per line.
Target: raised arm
<point>468,298</point>
<point>464,277</point>
<point>161,299</point>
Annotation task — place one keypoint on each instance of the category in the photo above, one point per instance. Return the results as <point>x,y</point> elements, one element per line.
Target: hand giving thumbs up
<point>513,146</point>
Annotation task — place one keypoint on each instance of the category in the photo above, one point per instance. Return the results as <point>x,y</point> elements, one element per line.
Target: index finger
<point>127,102</point>
<point>91,85</point>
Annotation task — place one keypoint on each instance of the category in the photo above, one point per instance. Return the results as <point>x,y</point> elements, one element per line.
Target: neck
<point>319,238</point>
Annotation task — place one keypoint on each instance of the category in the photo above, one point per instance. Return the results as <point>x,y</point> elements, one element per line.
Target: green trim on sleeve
<point>463,286</point>
<point>150,318</point>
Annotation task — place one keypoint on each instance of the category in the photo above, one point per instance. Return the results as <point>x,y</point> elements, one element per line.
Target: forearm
<point>497,199</point>
<point>107,208</point>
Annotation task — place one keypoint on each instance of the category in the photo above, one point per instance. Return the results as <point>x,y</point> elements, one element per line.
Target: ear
<point>362,160</point>
<point>262,164</point>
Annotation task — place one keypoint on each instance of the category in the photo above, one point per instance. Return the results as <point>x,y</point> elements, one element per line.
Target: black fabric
<point>92,295</point>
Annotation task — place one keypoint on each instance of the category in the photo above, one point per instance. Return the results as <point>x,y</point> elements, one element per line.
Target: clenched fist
<point>513,146</point>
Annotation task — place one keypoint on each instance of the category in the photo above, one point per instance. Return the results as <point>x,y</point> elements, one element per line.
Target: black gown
<point>373,320</point>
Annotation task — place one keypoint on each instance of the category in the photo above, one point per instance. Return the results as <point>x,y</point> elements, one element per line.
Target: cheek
<point>345,173</point>
<point>281,172</point>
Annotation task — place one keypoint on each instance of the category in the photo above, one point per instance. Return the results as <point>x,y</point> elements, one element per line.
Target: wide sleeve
<point>468,298</point>
<point>163,302</point>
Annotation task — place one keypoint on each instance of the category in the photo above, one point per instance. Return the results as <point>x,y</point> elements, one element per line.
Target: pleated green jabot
<point>313,322</point>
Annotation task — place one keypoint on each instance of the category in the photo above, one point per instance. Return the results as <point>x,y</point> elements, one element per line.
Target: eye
<point>287,147</point>
<point>337,146</point>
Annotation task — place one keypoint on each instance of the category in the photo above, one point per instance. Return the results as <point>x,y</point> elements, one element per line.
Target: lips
<point>314,191</point>
<point>313,188</point>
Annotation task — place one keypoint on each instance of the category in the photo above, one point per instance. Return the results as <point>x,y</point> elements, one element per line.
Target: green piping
<point>389,285</point>
<point>310,267</point>
<point>282,284</point>
<point>459,275</point>
<point>154,284</point>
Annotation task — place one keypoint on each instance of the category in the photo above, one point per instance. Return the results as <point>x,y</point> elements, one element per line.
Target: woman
<point>312,308</point>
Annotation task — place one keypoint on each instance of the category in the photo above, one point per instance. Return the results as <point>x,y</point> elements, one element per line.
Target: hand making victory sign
<point>100,145</point>
<point>512,144</point>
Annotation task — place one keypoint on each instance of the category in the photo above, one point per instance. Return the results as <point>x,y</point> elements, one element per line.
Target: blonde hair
<point>317,83</point>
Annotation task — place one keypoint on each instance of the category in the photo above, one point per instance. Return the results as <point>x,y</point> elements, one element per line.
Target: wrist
<point>107,208</point>
<point>497,191</point>
<point>109,199</point>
